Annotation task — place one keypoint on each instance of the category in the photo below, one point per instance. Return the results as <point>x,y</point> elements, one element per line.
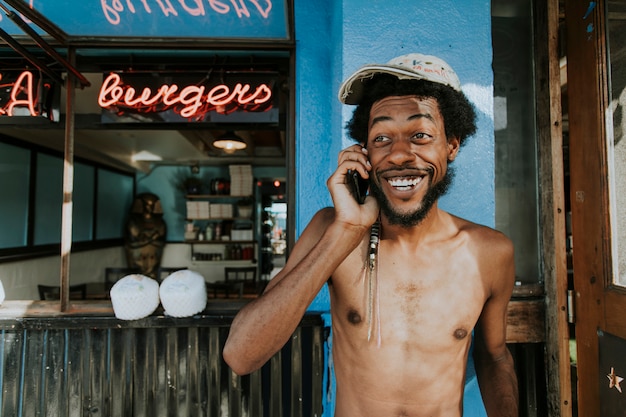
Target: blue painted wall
<point>334,38</point>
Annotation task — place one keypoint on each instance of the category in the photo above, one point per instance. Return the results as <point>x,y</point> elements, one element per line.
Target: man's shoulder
<point>494,251</point>
<point>327,213</point>
<point>323,217</point>
<point>319,222</point>
<point>481,234</point>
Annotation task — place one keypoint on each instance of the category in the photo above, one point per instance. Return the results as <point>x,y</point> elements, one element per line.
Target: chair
<point>164,271</point>
<point>53,292</point>
<point>236,281</point>
<point>224,289</point>
<point>246,274</point>
<point>243,274</point>
<point>114,274</point>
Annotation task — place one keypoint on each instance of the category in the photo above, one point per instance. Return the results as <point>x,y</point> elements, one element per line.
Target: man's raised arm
<point>264,325</point>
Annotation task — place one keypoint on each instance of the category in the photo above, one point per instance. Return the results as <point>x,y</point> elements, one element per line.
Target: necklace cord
<point>373,306</point>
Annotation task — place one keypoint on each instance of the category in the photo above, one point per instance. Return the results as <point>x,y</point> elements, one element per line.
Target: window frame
<point>31,250</point>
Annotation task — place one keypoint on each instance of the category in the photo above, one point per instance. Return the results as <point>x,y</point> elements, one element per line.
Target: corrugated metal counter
<point>85,362</point>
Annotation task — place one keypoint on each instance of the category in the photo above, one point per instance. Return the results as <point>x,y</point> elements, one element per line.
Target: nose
<point>401,152</point>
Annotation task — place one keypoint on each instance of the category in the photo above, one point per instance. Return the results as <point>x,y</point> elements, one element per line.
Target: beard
<point>413,218</point>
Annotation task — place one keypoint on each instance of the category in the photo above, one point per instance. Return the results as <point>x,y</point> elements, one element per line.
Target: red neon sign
<point>22,94</point>
<point>190,101</point>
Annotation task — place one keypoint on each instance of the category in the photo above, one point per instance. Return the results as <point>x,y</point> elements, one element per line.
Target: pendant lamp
<point>229,142</point>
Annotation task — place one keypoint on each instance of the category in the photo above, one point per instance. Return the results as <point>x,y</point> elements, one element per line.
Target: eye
<point>421,137</point>
<point>380,139</point>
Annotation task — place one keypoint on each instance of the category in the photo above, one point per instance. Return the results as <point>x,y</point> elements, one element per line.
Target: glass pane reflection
<point>515,142</point>
<point>616,43</point>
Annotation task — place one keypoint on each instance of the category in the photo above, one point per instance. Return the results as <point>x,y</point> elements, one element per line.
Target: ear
<point>453,147</point>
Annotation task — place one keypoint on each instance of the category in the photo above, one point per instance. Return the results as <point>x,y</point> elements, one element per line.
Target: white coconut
<point>183,293</point>
<point>134,297</point>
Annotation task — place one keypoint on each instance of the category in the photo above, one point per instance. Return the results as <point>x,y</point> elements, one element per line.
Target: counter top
<point>47,314</point>
<point>12,309</point>
<point>525,316</point>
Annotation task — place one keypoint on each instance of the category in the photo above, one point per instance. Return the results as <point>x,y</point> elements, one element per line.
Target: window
<point>616,26</point>
<point>15,169</point>
<point>523,116</point>
<point>34,190</point>
<point>48,199</point>
<point>84,206</point>
<point>515,137</point>
<point>114,198</point>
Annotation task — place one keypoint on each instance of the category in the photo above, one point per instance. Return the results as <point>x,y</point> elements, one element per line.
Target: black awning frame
<point>46,26</point>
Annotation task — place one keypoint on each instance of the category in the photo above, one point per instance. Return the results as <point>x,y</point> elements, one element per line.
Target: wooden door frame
<point>588,97</point>
<point>552,211</point>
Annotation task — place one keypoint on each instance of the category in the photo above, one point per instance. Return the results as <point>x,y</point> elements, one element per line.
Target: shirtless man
<point>402,319</point>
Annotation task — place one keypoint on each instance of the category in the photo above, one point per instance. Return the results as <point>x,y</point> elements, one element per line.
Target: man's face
<point>409,153</point>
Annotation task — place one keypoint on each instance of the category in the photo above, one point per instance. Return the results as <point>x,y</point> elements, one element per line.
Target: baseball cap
<point>413,66</point>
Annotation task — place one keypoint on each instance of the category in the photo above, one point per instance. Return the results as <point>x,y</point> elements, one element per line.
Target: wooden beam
<point>525,321</point>
<point>552,208</point>
<point>68,188</point>
<point>586,84</point>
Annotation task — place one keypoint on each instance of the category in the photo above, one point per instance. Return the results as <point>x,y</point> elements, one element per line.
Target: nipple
<point>354,317</point>
<point>460,333</point>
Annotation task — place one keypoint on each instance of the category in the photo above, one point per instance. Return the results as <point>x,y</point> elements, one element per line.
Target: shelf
<point>227,261</point>
<point>215,196</point>
<point>223,219</point>
<point>218,207</point>
<point>219,242</point>
<point>211,209</point>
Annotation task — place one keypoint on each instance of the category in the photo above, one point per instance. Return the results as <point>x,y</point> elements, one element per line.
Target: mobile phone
<point>358,186</point>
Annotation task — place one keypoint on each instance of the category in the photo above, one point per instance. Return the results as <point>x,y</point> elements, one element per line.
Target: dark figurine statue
<point>145,235</point>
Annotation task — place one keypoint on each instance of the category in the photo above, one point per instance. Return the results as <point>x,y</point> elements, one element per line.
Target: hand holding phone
<point>358,186</point>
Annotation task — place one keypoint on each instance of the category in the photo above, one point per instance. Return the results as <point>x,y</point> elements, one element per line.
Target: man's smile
<point>404,183</point>
<point>404,180</point>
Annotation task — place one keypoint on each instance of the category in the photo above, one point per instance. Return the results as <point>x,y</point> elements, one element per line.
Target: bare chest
<point>410,299</point>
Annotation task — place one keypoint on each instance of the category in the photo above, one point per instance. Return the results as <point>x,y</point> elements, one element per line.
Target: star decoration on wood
<point>614,380</point>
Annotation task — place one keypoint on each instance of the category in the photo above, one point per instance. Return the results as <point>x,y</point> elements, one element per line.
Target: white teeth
<point>404,183</point>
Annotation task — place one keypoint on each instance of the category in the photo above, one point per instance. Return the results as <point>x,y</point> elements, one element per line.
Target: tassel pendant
<point>373,313</point>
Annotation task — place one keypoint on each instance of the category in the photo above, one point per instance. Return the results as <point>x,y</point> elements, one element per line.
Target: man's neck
<point>425,229</point>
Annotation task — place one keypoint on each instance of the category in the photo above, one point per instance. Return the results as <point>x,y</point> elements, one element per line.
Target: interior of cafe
<point>190,172</point>
<point>145,138</point>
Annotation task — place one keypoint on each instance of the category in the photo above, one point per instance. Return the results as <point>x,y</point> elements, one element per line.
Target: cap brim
<point>351,90</point>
